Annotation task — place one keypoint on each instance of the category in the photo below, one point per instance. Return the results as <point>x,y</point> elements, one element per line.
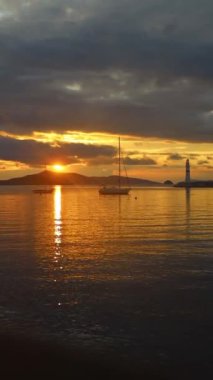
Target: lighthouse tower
<point>187,180</point>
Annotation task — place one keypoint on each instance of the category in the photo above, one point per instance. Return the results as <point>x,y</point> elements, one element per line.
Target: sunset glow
<point>58,168</point>
<point>69,119</point>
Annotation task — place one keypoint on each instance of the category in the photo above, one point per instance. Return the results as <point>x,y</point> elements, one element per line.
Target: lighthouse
<point>187,180</point>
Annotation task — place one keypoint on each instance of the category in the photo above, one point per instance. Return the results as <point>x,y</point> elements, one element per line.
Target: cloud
<point>40,154</point>
<point>139,161</point>
<point>175,157</point>
<point>203,162</point>
<point>130,67</point>
<point>101,160</point>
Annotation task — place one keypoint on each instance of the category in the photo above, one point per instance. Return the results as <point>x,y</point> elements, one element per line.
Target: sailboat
<point>42,191</point>
<point>116,190</point>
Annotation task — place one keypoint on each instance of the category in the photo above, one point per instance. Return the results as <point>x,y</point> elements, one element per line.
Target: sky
<point>76,74</point>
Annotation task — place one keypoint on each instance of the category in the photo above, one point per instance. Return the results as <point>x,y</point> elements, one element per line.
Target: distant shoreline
<point>195,184</point>
<point>76,185</point>
<point>49,178</point>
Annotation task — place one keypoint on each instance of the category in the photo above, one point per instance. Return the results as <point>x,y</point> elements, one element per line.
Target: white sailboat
<point>116,190</point>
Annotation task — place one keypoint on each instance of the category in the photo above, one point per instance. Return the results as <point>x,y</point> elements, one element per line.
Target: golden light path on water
<point>57,220</point>
<point>57,228</point>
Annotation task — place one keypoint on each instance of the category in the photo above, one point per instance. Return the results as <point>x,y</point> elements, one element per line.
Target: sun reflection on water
<point>57,220</point>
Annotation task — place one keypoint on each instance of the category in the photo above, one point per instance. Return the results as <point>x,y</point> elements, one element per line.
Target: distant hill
<point>52,178</point>
<point>196,183</point>
<point>168,183</point>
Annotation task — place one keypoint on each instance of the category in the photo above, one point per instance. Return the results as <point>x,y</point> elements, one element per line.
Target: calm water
<point>113,274</point>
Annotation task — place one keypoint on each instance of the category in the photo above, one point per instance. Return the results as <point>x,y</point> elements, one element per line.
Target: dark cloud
<point>193,156</point>
<point>126,161</point>
<point>139,161</point>
<point>36,153</point>
<point>138,67</point>
<point>203,162</point>
<point>175,157</point>
<point>101,160</point>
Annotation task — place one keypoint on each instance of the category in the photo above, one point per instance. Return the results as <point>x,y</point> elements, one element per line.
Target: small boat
<point>42,191</point>
<point>116,190</point>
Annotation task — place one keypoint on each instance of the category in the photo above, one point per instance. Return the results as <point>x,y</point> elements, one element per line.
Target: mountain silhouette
<point>53,178</point>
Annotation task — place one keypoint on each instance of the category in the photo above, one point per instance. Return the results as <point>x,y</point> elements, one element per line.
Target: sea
<point>129,276</point>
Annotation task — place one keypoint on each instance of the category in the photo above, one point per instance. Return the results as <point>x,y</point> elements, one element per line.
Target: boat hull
<point>114,191</point>
<point>43,191</point>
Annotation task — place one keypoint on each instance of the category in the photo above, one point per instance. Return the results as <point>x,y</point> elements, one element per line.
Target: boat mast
<point>119,162</point>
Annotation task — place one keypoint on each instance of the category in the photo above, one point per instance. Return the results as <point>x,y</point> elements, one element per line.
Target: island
<point>51,178</point>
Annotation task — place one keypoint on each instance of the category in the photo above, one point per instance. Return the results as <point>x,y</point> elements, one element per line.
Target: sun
<point>58,168</point>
